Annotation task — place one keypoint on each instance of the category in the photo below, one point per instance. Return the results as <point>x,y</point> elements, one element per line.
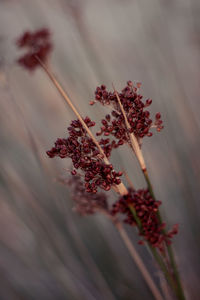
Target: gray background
<point>46,250</point>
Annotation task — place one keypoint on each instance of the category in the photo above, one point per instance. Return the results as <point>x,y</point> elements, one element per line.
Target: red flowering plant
<point>38,47</point>
<point>93,174</point>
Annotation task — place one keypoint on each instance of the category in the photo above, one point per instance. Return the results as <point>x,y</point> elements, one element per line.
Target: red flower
<point>86,157</point>
<point>135,109</point>
<point>38,48</point>
<point>146,209</point>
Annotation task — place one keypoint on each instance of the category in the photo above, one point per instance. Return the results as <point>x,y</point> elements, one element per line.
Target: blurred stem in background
<point>137,259</point>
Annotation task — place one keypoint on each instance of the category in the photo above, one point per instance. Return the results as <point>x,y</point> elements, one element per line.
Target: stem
<point>133,140</point>
<point>176,273</point>
<point>136,148</point>
<point>157,257</point>
<point>178,287</point>
<point>162,265</point>
<point>69,102</point>
<point>150,188</point>
<point>137,219</point>
<point>139,262</point>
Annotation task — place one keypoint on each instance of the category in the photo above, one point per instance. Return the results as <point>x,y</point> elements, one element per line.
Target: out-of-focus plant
<point>128,122</point>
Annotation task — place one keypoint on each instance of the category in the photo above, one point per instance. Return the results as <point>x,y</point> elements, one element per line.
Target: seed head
<point>38,45</point>
<point>86,157</point>
<point>135,109</point>
<point>146,209</point>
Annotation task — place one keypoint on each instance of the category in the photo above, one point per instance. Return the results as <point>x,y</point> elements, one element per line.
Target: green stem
<point>137,219</point>
<point>163,267</point>
<point>179,289</point>
<point>176,273</point>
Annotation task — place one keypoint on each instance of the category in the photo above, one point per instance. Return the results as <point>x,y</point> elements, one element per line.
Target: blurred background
<point>47,251</point>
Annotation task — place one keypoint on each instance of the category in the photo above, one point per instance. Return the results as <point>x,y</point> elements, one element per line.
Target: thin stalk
<point>133,140</point>
<point>69,102</point>
<point>136,148</point>
<point>138,261</point>
<point>163,267</point>
<point>135,256</point>
<point>137,219</point>
<point>156,256</point>
<point>179,288</point>
<point>176,273</point>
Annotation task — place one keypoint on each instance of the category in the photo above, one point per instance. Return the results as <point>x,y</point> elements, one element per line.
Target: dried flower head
<point>86,157</point>
<point>37,45</point>
<point>146,209</point>
<point>135,109</point>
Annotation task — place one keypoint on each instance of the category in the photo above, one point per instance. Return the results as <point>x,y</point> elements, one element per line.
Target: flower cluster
<point>85,156</point>
<point>86,204</point>
<point>138,118</point>
<point>114,127</point>
<point>146,209</point>
<point>37,45</point>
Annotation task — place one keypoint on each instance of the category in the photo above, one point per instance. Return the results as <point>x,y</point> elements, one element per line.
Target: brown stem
<point>133,139</point>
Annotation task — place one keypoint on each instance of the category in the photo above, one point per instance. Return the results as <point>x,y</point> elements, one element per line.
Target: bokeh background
<point>47,251</point>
